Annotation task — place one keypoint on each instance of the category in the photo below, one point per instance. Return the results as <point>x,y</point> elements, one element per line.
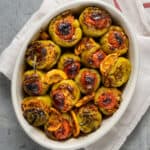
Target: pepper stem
<point>34,62</point>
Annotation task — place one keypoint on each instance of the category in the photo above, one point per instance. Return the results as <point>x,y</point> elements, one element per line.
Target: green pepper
<point>94,21</point>
<point>46,53</point>
<point>115,70</point>
<point>65,30</point>
<point>59,126</point>
<point>89,118</point>
<point>108,100</point>
<point>34,82</point>
<point>115,41</point>
<point>88,80</point>
<point>65,94</point>
<point>36,109</point>
<point>86,44</point>
<point>55,76</point>
<point>70,64</point>
<point>93,58</point>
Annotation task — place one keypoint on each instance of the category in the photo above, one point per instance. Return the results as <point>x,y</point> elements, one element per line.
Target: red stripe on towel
<point>146,5</point>
<point>117,5</point>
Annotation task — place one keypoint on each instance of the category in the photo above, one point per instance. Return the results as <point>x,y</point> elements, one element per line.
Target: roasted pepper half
<point>88,80</point>
<point>34,82</point>
<point>70,64</point>
<point>115,70</point>
<point>65,30</point>
<point>36,109</point>
<point>86,44</point>
<point>115,41</point>
<point>65,94</point>
<point>108,100</point>
<point>95,21</point>
<point>89,118</point>
<point>43,54</point>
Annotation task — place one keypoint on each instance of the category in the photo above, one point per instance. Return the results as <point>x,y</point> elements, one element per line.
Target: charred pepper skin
<point>58,129</point>
<point>89,118</point>
<point>95,21</point>
<point>108,100</point>
<point>34,83</point>
<point>46,52</point>
<point>86,44</point>
<point>88,80</point>
<point>90,52</point>
<point>93,58</point>
<point>70,64</point>
<point>65,95</point>
<point>36,109</point>
<point>65,30</point>
<point>115,41</point>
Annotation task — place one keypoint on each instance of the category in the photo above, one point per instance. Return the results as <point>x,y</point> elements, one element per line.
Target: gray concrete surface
<point>13,15</point>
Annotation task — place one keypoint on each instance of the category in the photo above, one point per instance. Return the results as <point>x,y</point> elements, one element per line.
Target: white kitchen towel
<point>138,15</point>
